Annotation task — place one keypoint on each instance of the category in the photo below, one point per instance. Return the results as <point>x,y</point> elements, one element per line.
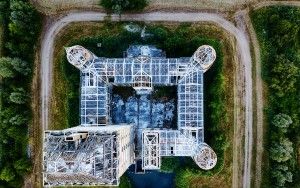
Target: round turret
<point>206,158</point>
<point>204,57</point>
<point>78,56</point>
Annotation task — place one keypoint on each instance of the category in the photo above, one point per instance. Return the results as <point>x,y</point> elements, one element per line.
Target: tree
<point>281,174</point>
<point>282,121</point>
<point>285,75</point>
<point>22,166</point>
<point>19,96</point>
<point>17,133</point>
<point>285,33</point>
<point>18,119</point>
<point>6,114</point>
<point>7,174</point>
<point>6,68</point>
<point>20,66</point>
<point>4,7</point>
<point>23,20</point>
<point>281,151</point>
<point>9,67</point>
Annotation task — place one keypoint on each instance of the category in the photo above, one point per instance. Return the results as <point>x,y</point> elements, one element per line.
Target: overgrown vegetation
<point>162,92</point>
<point>178,41</point>
<point>170,164</point>
<point>278,30</point>
<point>21,24</point>
<point>118,6</point>
<point>124,92</point>
<point>125,182</point>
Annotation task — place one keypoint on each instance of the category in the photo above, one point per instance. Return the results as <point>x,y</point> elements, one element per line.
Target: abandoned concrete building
<point>98,152</point>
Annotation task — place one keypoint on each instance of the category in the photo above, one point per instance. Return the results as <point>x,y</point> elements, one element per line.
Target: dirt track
<point>242,47</point>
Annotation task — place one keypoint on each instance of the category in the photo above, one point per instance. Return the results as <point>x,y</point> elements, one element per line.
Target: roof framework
<point>94,154</point>
<point>85,158</point>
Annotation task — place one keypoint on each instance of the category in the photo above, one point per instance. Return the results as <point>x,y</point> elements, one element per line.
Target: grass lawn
<point>178,41</point>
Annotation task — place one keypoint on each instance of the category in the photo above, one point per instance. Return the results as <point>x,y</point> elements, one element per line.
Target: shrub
<point>282,175</point>
<point>19,96</point>
<point>282,121</point>
<point>10,67</point>
<point>169,164</point>
<point>281,151</point>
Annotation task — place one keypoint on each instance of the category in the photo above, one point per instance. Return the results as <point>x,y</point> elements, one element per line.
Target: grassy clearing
<point>177,40</point>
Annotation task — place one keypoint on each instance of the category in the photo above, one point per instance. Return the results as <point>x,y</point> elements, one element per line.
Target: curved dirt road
<point>242,47</point>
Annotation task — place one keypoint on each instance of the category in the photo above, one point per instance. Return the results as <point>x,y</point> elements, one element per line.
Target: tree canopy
<point>278,31</point>
<point>21,24</point>
<point>281,151</point>
<point>282,175</point>
<point>282,121</point>
<point>18,96</point>
<point>10,67</point>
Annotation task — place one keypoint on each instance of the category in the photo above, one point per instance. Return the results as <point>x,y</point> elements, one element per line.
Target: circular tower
<point>79,56</point>
<point>203,57</point>
<point>206,158</point>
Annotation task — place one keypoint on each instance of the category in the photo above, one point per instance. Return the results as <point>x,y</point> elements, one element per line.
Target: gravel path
<point>242,47</point>
<point>240,20</point>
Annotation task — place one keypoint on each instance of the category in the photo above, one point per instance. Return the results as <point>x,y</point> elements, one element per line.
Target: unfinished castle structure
<point>97,152</point>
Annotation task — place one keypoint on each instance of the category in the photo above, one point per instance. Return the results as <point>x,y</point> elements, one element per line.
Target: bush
<point>169,164</point>
<point>125,182</point>
<point>282,175</point>
<point>18,96</point>
<point>10,67</point>
<point>282,122</point>
<point>281,151</point>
